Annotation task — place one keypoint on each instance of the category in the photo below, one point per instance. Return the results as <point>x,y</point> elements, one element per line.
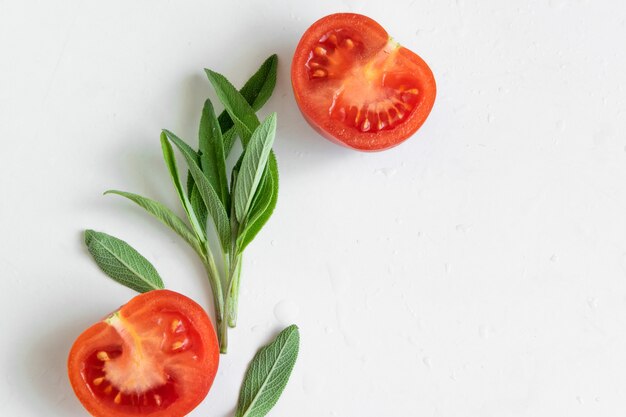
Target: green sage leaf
<point>262,206</point>
<point>241,113</point>
<point>212,152</point>
<point>165,216</point>
<point>234,103</point>
<point>256,91</point>
<point>259,88</point>
<point>229,140</point>
<point>190,183</point>
<point>170,161</point>
<point>122,263</point>
<point>253,165</point>
<point>198,204</point>
<point>268,374</point>
<point>214,206</point>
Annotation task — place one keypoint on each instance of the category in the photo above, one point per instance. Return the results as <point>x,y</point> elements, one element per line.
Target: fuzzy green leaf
<point>214,206</point>
<point>165,215</point>
<point>256,92</point>
<point>262,206</point>
<point>198,204</point>
<point>268,374</point>
<point>246,123</point>
<point>122,263</point>
<point>212,152</point>
<point>253,166</point>
<point>259,88</point>
<point>241,113</point>
<point>229,140</point>
<point>170,161</point>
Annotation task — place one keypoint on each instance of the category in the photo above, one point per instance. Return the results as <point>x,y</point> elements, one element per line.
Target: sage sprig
<point>215,209</point>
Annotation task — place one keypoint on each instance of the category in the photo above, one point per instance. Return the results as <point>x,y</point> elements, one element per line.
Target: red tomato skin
<point>101,332</point>
<point>331,130</point>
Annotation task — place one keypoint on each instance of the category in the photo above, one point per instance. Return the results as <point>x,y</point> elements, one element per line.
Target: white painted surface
<point>477,270</point>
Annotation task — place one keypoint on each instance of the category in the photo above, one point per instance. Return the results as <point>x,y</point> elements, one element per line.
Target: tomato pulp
<point>155,356</point>
<point>358,87</point>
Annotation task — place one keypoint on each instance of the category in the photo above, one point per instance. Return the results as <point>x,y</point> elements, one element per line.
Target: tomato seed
<point>319,51</point>
<point>175,324</point>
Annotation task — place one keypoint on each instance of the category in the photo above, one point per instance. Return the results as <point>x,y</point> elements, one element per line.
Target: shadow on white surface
<point>45,370</point>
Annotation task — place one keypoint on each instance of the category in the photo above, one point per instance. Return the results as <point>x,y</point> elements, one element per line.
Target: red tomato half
<point>155,356</point>
<point>357,86</point>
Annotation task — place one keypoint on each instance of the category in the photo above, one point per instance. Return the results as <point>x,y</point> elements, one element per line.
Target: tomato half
<point>357,86</point>
<point>155,356</point>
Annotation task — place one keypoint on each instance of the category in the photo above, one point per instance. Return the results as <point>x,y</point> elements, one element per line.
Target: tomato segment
<point>357,86</point>
<point>155,356</point>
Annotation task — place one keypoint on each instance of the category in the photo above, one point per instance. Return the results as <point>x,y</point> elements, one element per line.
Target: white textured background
<point>477,270</point>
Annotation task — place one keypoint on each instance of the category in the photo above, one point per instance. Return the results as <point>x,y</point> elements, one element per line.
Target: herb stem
<point>222,335</point>
<point>218,301</point>
<point>233,294</point>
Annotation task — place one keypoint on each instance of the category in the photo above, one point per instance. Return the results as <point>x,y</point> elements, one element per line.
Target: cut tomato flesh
<point>357,86</point>
<point>368,94</point>
<point>146,400</point>
<point>156,356</point>
<point>135,373</point>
